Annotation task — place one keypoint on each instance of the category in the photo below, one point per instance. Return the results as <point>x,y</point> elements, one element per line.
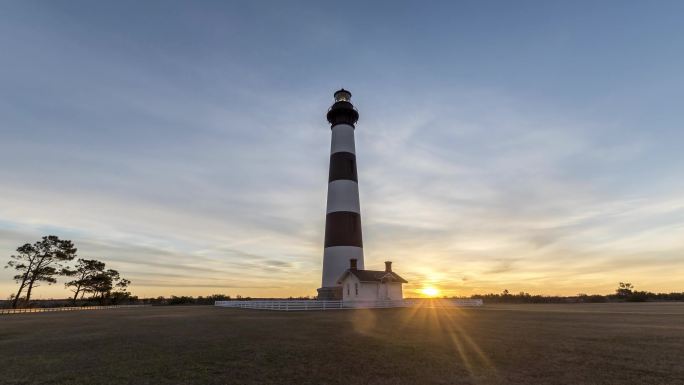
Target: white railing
<point>66,308</point>
<point>298,305</point>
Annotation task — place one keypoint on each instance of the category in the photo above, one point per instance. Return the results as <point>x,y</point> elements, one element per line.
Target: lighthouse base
<point>333,293</point>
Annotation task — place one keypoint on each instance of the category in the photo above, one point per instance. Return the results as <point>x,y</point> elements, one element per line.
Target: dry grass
<point>505,344</point>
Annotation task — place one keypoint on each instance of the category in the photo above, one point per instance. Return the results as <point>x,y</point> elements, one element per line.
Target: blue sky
<point>522,145</point>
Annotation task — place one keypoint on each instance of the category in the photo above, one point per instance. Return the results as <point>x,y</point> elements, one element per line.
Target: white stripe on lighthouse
<point>336,261</point>
<point>343,195</point>
<point>342,139</point>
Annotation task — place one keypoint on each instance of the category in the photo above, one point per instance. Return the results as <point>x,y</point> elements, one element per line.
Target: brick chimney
<point>352,264</point>
<point>388,266</point>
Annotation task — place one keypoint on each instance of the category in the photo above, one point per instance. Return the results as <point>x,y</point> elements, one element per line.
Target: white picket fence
<point>300,305</point>
<point>66,308</point>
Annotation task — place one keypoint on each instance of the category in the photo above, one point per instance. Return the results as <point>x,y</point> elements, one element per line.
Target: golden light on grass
<point>430,291</point>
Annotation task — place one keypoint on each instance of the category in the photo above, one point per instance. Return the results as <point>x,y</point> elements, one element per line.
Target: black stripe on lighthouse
<point>342,166</point>
<point>343,228</point>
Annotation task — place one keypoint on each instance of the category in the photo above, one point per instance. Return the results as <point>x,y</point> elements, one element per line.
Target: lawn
<point>496,344</point>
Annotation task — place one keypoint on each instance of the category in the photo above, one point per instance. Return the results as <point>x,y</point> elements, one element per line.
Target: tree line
<point>625,292</point>
<point>45,260</point>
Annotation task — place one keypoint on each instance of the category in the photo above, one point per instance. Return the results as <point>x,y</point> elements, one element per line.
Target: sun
<point>430,291</point>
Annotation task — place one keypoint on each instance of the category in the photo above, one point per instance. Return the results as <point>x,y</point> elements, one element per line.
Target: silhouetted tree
<point>39,262</point>
<point>84,271</point>
<point>624,289</point>
<point>23,262</point>
<point>121,294</point>
<point>102,284</point>
<point>122,285</point>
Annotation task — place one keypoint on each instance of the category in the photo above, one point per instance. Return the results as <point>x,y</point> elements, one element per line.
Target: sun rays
<point>447,330</point>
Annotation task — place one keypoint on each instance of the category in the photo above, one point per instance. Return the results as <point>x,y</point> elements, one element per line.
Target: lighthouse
<point>343,240</point>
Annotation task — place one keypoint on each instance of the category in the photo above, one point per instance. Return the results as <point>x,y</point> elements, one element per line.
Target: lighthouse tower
<point>343,217</point>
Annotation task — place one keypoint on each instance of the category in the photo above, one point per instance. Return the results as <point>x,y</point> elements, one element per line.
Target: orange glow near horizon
<point>429,291</point>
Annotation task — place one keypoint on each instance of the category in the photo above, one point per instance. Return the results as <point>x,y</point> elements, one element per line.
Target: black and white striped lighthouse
<point>343,217</point>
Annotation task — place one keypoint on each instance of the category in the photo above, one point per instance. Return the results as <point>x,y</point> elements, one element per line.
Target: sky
<point>531,146</point>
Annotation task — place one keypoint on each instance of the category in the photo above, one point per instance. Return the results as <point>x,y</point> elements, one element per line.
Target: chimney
<point>388,266</point>
<point>352,264</point>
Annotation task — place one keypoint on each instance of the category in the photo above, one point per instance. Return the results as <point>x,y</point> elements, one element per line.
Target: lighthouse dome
<point>342,111</point>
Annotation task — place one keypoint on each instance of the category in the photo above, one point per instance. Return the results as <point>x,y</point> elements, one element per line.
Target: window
<point>356,288</point>
<point>347,289</point>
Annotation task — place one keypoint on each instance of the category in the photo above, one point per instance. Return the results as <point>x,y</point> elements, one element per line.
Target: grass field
<point>496,344</point>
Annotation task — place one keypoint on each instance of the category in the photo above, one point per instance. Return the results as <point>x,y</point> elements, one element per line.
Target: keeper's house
<point>371,285</point>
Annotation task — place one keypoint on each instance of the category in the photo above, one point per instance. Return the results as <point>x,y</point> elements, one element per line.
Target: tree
<point>91,277</point>
<point>39,262</point>
<point>102,284</point>
<point>84,272</point>
<point>23,262</point>
<point>624,289</point>
<point>121,294</point>
<point>122,285</point>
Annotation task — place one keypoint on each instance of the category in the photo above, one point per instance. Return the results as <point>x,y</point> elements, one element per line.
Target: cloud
<point>450,205</point>
<point>503,266</point>
<point>204,161</point>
